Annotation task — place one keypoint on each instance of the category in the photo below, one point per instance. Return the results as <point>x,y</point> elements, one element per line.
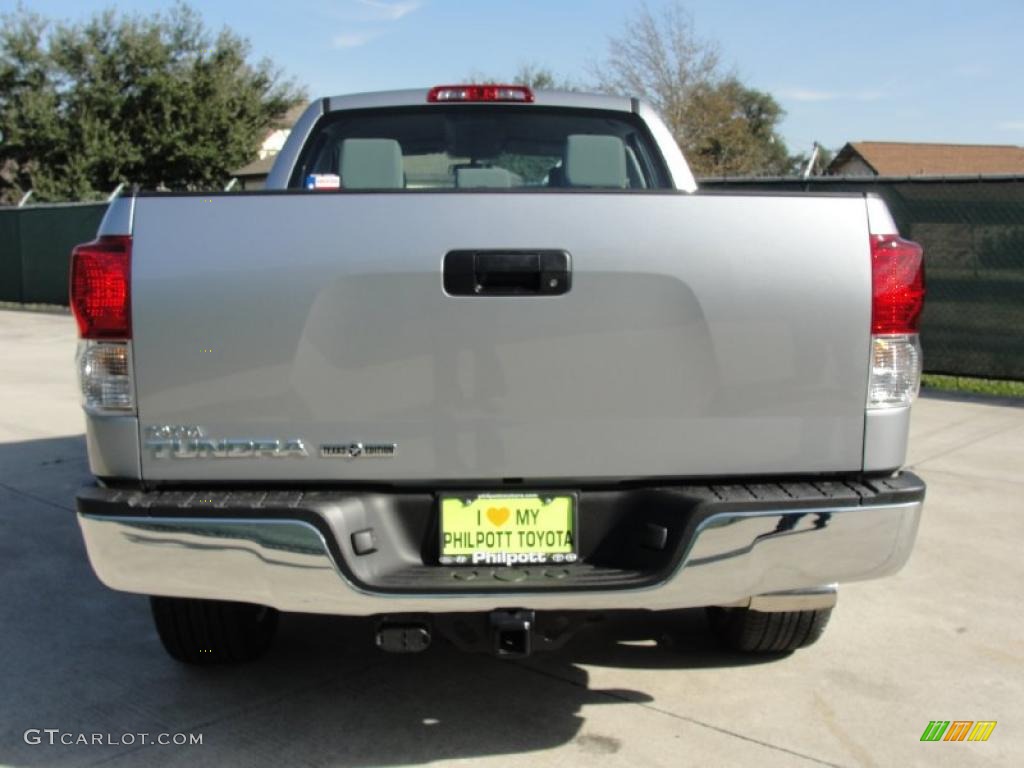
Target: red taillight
<point>101,288</point>
<point>897,280</point>
<point>518,93</point>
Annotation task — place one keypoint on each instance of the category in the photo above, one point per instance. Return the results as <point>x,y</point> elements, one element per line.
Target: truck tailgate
<point>703,335</point>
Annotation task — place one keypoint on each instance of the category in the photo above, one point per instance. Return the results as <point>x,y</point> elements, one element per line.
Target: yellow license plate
<point>508,529</point>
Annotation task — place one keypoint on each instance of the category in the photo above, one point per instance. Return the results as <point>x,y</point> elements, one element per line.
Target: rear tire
<point>208,632</point>
<point>741,629</point>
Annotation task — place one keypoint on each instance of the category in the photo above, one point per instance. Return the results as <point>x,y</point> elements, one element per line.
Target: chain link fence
<point>972,230</point>
<point>35,249</point>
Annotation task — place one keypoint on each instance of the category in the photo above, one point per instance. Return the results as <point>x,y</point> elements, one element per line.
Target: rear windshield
<point>476,147</point>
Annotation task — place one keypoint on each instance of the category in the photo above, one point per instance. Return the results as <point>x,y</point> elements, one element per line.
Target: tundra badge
<point>174,441</point>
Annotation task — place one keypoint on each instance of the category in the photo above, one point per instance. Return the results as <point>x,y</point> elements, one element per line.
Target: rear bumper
<point>294,551</point>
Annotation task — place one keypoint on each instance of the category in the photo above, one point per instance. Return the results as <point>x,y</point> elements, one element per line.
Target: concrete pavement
<point>944,639</point>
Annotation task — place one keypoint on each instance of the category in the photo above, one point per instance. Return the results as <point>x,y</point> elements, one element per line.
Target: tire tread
<point>206,632</point>
<point>741,629</point>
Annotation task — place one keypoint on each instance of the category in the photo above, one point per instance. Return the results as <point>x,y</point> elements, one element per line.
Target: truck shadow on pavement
<point>80,658</point>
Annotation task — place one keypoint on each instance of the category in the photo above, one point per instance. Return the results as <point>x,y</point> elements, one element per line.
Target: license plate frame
<point>519,553</point>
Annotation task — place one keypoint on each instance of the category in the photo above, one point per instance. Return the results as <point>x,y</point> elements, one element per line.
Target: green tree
<point>729,130</point>
<point>722,126</point>
<point>156,101</point>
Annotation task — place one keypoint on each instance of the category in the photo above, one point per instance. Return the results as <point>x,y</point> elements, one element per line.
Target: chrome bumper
<point>731,558</point>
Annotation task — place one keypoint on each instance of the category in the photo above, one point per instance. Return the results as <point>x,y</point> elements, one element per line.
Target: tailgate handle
<point>507,273</point>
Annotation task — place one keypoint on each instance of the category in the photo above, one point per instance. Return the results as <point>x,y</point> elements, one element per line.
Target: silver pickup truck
<point>483,363</point>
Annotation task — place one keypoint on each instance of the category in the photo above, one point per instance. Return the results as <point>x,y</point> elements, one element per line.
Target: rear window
<point>477,147</point>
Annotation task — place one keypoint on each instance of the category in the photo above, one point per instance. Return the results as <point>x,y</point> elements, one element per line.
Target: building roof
<point>291,117</point>
<point>258,167</point>
<point>896,158</point>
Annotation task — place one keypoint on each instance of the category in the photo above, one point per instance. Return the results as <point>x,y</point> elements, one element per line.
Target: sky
<point>844,70</point>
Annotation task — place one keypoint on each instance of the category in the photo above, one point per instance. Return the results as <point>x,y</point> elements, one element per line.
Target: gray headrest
<point>595,161</point>
<point>485,177</point>
<point>371,164</point>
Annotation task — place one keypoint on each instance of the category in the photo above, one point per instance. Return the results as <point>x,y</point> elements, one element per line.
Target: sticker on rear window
<point>323,181</point>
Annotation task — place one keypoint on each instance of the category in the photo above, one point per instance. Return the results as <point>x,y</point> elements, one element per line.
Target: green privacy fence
<point>972,230</point>
<point>35,246</point>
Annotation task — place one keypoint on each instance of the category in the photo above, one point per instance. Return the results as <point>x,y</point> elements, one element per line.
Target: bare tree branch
<point>722,126</point>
